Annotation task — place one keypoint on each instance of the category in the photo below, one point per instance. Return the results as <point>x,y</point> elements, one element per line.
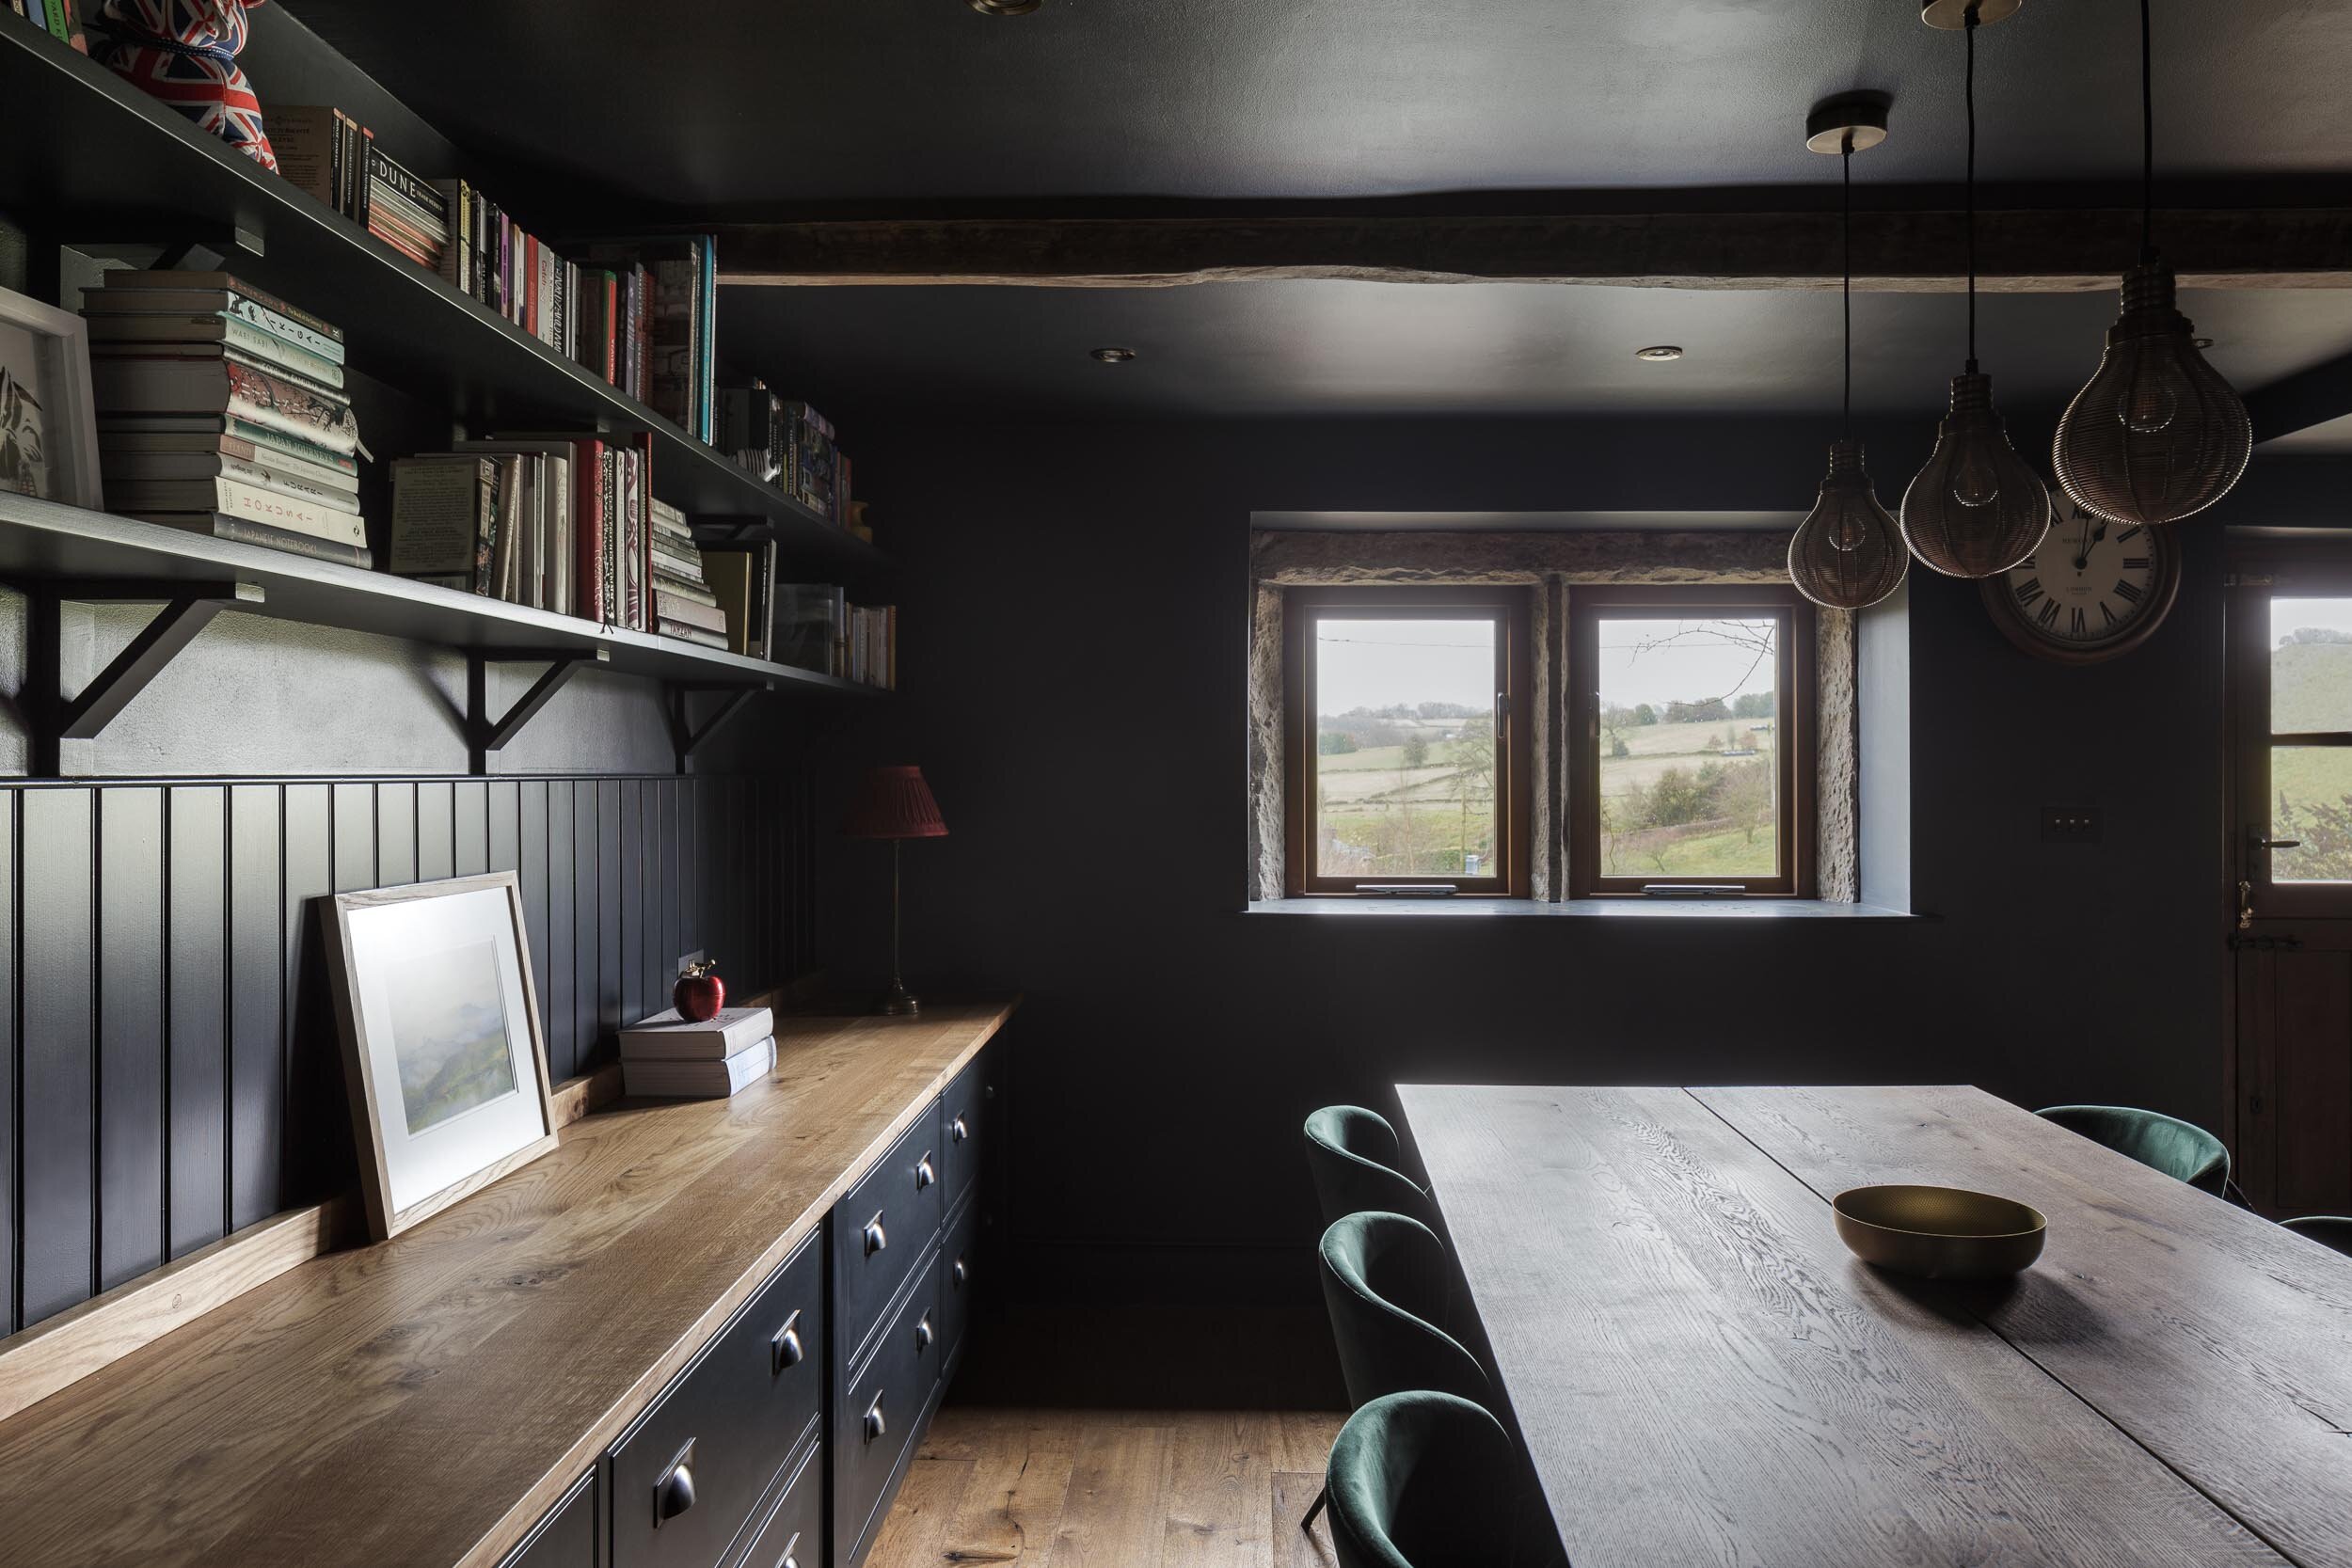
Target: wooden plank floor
<point>1096,1488</point>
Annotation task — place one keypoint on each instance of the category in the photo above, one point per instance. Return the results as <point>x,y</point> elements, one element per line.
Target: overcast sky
<point>1377,663</point>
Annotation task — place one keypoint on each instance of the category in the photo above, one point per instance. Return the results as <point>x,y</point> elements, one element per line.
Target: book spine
<point>246,531</point>
<point>418,194</point>
<point>588,515</point>
<point>438,506</point>
<point>264,438</point>
<point>608,563</point>
<point>296,513</point>
<point>286,482</point>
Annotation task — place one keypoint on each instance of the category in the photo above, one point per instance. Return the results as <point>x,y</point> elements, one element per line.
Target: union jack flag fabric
<point>184,53</point>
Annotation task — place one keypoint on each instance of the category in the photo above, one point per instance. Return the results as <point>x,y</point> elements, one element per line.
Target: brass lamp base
<point>897,1003</point>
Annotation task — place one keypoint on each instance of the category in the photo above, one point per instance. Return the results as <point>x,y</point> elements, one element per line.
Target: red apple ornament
<point>699,993</point>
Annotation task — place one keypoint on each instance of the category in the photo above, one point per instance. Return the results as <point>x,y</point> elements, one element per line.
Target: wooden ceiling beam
<point>2029,251</point>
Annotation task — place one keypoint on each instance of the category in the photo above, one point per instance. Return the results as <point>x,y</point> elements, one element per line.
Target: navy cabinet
<point>567,1537</point>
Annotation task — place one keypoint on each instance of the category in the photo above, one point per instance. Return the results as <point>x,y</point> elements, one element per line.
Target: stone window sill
<point>1576,908</point>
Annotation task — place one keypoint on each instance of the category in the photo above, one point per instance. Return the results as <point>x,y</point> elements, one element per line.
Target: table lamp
<point>894,803</point>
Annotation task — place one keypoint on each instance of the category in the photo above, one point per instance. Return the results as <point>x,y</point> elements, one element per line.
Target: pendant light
<point>1976,509</point>
<point>2157,435</point>
<point>1848,554</point>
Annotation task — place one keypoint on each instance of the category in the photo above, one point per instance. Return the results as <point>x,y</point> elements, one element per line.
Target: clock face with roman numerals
<point>2093,590</point>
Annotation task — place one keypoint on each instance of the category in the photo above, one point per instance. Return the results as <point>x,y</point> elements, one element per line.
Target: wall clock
<point>2093,590</point>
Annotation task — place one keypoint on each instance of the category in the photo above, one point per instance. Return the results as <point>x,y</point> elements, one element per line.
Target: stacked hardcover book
<point>742,581</point>
<point>674,1057</point>
<point>557,521</point>
<point>789,445</point>
<point>683,604</point>
<point>869,654</point>
<point>221,410</point>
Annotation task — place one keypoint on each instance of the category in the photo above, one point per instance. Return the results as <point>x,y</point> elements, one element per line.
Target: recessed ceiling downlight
<point>1003,8</point>
<point>1112,356</point>
<point>1659,354</point>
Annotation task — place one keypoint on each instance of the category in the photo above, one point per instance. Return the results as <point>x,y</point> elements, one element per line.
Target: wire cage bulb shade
<point>2157,435</point>
<point>894,803</point>
<point>1976,509</point>
<point>1847,553</point>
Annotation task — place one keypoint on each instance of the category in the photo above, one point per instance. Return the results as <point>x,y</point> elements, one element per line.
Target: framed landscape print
<point>48,433</point>
<point>442,1051</point>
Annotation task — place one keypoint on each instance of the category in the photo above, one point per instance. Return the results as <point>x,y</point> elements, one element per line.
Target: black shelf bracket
<point>486,734</point>
<point>686,738</point>
<point>53,717</point>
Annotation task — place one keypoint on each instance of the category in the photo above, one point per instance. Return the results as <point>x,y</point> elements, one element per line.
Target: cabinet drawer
<point>566,1536</point>
<point>705,1451</point>
<point>959,1267</point>
<point>964,1113</point>
<point>878,1415</point>
<point>881,1233</point>
<point>793,1533</point>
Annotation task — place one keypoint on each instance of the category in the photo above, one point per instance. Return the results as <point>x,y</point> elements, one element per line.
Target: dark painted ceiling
<point>1278,348</point>
<point>911,102</point>
<point>701,112</point>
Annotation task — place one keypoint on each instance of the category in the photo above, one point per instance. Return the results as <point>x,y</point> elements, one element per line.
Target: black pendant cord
<point>2147,141</point>
<point>1845,163</point>
<point>1968,31</point>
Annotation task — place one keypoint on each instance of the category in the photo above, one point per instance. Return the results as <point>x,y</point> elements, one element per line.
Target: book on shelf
<point>136,433</point>
<point>329,516</point>
<point>60,19</point>
<point>278,399</point>
<point>321,151</point>
<point>741,577</point>
<point>694,1079</point>
<point>188,292</point>
<point>246,531</point>
<point>549,548</point>
<point>214,329</point>
<point>445,513</point>
<point>668,1037</point>
<point>811,620</point>
<point>590,461</point>
<point>870,650</point>
<point>270,355</point>
<point>123,459</point>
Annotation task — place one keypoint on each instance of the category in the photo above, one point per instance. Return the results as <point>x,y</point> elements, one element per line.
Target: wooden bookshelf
<point>42,542</point>
<point>113,165</point>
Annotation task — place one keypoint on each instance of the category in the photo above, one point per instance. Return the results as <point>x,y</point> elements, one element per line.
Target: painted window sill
<point>1575,909</point>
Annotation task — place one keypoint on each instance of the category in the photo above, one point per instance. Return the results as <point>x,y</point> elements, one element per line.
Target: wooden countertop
<point>423,1401</point>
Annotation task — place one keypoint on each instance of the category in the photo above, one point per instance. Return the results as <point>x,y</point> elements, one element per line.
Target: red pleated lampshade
<point>894,803</point>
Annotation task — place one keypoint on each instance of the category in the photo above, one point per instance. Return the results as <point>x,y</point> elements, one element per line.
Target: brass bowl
<point>1940,1232</point>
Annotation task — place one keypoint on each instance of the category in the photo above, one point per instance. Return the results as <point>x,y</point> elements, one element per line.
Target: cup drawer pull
<point>957,1130</point>
<point>924,1174</point>
<point>923,1335</point>
<point>673,1493</point>
<point>875,1238</point>
<point>786,1349</point>
<point>874,1425</point>
<point>960,1272</point>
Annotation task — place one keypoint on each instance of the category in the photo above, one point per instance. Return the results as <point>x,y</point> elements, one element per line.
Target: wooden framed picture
<point>48,428</point>
<point>442,1052</point>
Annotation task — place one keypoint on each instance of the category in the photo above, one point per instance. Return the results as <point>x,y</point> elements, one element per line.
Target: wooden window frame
<point>2260,571</point>
<point>1509,608</point>
<point>1797,754</point>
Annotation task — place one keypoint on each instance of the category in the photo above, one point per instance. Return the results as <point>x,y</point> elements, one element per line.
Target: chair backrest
<point>2333,1231</point>
<point>1385,1280</point>
<point>1354,1154</point>
<point>2181,1149</point>
<point>1422,1479</point>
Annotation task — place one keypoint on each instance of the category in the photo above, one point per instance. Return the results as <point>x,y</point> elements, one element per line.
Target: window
<point>1406,743</point>
<point>1690,739</point>
<point>2291,666</point>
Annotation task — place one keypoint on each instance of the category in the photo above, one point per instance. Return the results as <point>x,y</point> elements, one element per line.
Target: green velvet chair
<point>1423,1480</point>
<point>2332,1230</point>
<point>1386,1278</point>
<point>1358,1165</point>
<point>2181,1149</point>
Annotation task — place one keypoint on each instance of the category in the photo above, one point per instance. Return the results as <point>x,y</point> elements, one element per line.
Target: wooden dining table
<point>1702,1374</point>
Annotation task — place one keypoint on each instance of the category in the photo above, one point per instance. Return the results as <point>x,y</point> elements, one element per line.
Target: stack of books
<point>672,1058</point>
<point>789,445</point>
<point>683,604</point>
<point>60,19</point>
<point>742,581</point>
<point>328,153</point>
<point>557,521</point>
<point>221,410</point>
